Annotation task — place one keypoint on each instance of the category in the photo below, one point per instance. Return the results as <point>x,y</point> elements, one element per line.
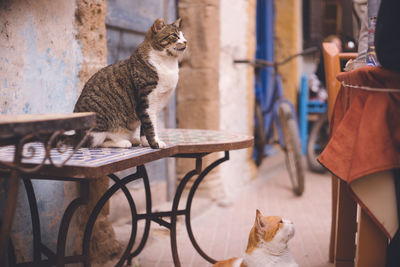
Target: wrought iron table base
<point>60,259</point>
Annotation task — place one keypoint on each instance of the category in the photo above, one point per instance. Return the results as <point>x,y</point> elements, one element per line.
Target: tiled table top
<point>93,161</point>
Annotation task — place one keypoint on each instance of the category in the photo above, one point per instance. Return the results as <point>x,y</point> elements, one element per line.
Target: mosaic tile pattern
<point>198,137</point>
<point>90,157</point>
<point>94,157</point>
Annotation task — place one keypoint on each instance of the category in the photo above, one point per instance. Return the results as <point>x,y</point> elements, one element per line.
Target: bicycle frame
<point>269,109</point>
<point>270,96</point>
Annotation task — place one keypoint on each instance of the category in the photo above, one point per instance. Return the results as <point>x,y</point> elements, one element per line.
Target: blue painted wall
<point>39,64</point>
<point>38,71</point>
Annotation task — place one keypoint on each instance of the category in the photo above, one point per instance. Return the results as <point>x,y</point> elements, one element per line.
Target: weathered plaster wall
<point>45,58</point>
<point>213,93</point>
<point>38,71</point>
<point>39,65</point>
<point>236,85</point>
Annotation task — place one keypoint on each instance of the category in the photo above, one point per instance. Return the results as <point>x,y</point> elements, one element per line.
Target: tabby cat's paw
<point>160,143</point>
<point>156,144</point>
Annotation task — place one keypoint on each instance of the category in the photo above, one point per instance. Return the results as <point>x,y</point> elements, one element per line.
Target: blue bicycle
<point>272,108</point>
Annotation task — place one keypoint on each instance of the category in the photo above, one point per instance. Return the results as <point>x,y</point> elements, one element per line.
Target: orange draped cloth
<point>365,126</point>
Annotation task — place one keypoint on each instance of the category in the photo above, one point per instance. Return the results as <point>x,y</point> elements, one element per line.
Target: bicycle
<point>281,112</point>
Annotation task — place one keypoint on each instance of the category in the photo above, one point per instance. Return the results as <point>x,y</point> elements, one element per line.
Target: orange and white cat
<point>267,245</point>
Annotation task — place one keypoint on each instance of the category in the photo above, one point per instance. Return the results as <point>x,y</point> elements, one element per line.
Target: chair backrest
<point>332,59</point>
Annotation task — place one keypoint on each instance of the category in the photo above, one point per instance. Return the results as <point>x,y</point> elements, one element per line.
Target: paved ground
<point>222,232</point>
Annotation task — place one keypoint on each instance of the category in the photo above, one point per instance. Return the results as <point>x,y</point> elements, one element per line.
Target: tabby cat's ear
<point>158,25</point>
<point>259,223</point>
<point>178,23</point>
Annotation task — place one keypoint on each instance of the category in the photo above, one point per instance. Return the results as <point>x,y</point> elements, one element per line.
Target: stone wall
<point>198,92</point>
<point>198,96</point>
<point>214,93</point>
<point>91,34</point>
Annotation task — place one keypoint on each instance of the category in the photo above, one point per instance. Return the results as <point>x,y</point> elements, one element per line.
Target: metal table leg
<point>119,184</point>
<point>149,216</point>
<point>189,205</point>
<point>60,259</point>
<point>8,216</point>
<point>11,202</point>
<point>186,212</point>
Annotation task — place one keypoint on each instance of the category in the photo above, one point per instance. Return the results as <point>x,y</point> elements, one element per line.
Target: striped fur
<point>126,96</point>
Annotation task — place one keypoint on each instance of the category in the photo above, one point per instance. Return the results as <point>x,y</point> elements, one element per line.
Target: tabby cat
<point>129,94</point>
<point>267,245</point>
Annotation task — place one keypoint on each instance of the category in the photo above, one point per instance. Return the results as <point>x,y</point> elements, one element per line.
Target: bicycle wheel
<point>259,137</point>
<point>318,139</point>
<point>292,147</point>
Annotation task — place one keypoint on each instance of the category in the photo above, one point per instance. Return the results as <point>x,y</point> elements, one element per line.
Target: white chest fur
<point>168,73</point>
<point>261,258</point>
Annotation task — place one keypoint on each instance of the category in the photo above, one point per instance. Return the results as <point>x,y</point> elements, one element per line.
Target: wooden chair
<point>342,249</point>
<point>342,243</point>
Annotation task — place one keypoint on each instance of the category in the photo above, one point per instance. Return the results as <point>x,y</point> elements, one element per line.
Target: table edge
<point>93,172</point>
